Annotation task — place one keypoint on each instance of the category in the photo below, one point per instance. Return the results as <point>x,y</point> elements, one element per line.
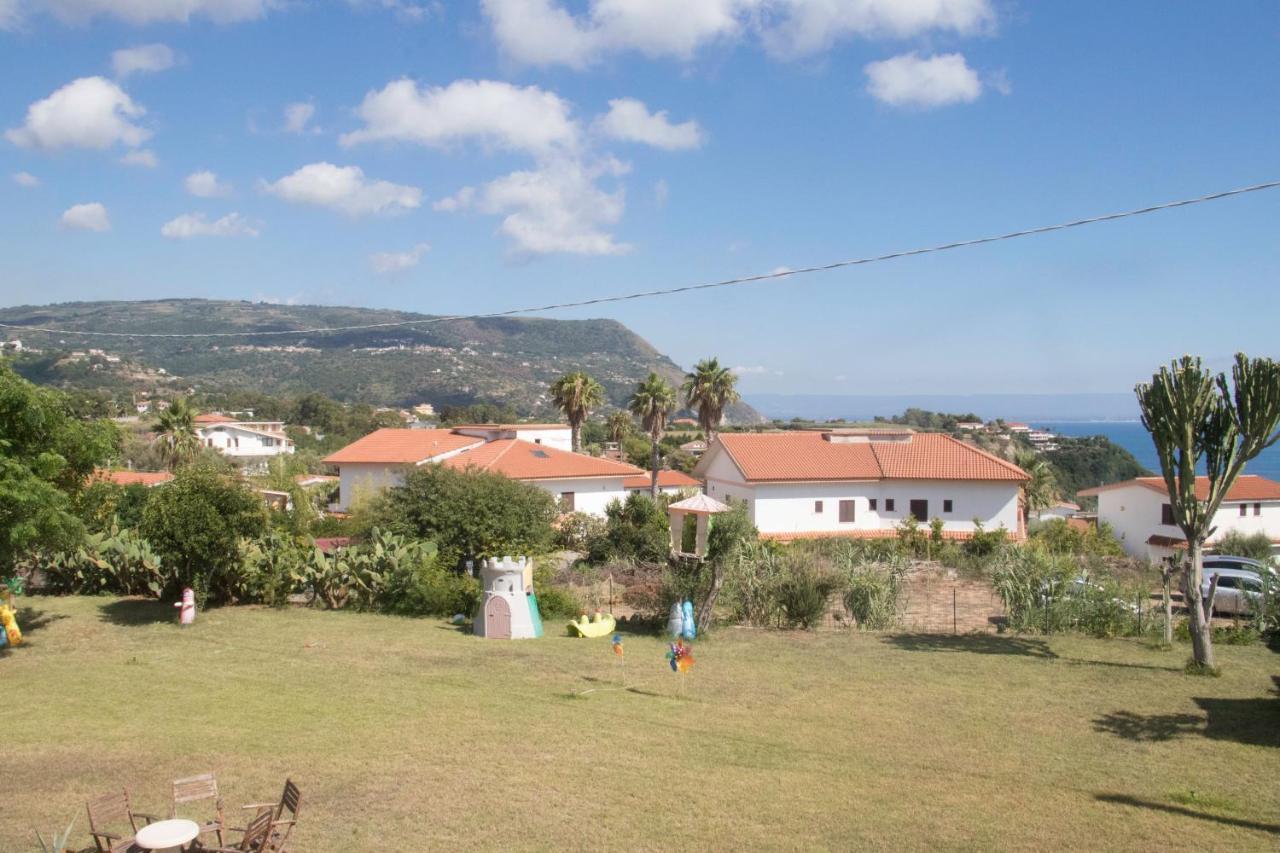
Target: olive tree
<point>1195,416</point>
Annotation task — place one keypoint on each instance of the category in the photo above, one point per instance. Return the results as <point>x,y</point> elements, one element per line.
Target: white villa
<point>669,483</point>
<point>248,443</point>
<point>1139,513</point>
<point>862,482</point>
<point>581,483</point>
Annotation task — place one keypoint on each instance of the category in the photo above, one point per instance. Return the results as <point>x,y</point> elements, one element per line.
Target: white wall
<point>1134,513</point>
<point>725,484</point>
<point>560,439</point>
<point>590,494</point>
<point>365,479</point>
<point>233,441</point>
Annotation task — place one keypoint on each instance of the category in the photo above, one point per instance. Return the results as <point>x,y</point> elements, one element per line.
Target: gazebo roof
<point>699,505</point>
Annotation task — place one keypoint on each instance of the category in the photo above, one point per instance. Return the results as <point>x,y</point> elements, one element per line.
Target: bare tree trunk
<point>1199,609</point>
<point>1166,577</point>
<point>709,603</point>
<point>653,470</point>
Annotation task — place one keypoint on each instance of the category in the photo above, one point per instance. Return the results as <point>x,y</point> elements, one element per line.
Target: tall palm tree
<point>175,429</point>
<point>653,402</point>
<point>709,388</point>
<point>576,394</point>
<point>1042,489</point>
<point>618,426</point>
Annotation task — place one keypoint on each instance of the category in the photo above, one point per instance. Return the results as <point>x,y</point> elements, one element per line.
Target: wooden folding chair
<point>257,837</point>
<point>284,815</point>
<point>194,789</point>
<point>110,811</point>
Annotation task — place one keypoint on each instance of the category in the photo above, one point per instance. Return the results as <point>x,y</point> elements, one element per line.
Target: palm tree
<point>175,429</point>
<point>576,394</point>
<point>1195,418</point>
<point>1041,490</point>
<point>618,426</point>
<point>653,402</point>
<point>709,388</point>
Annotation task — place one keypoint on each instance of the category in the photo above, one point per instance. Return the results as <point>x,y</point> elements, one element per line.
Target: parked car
<point>1239,591</point>
<point>1224,561</point>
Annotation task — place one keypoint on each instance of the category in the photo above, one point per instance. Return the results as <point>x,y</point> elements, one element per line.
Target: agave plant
<point>58,842</point>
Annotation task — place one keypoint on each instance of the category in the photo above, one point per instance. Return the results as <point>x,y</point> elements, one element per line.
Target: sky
<point>459,157</point>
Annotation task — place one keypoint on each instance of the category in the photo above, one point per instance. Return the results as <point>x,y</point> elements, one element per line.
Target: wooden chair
<point>197,788</point>
<point>113,810</point>
<point>284,815</point>
<point>256,837</point>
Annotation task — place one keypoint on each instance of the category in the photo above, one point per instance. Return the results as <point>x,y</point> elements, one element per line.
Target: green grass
<point>410,730</point>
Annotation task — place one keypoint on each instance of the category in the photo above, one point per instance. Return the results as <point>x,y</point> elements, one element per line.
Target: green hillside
<point>509,360</point>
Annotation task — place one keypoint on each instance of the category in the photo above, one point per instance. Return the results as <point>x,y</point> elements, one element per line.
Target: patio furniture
<point>194,789</point>
<point>284,814</point>
<point>172,834</point>
<point>111,811</point>
<point>257,837</point>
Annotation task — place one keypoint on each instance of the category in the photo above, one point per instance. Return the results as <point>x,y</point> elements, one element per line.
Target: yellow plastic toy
<point>600,625</point>
<point>9,619</point>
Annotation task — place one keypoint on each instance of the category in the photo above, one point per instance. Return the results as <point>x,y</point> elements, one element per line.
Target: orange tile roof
<point>512,426</point>
<point>129,478</point>
<point>807,456</point>
<point>524,460</point>
<point>1247,487</point>
<point>666,480</point>
<point>402,446</point>
<point>213,418</point>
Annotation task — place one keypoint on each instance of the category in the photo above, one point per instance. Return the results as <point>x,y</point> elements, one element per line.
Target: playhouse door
<point>497,619</point>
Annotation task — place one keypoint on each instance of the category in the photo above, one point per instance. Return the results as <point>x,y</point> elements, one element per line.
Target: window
<point>920,510</point>
<point>1166,514</point>
<point>888,504</point>
<point>537,441</point>
<point>847,513</point>
<point>873,502</point>
<point>566,501</point>
<point>1257,509</point>
<point>1226,583</point>
<point>946,505</point>
<point>817,507</point>
<point>1244,510</point>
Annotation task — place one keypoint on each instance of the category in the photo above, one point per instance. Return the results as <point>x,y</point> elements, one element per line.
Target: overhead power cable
<point>668,291</point>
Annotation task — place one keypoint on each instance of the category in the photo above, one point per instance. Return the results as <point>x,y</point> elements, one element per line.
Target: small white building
<point>581,483</point>
<point>862,483</point>
<point>248,443</point>
<point>1141,516</point>
<point>1061,509</point>
<point>558,436</point>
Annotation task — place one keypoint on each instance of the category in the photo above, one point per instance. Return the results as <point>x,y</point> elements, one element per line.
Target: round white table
<point>166,834</point>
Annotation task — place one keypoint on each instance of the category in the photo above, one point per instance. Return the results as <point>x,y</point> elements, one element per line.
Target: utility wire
<point>689,288</point>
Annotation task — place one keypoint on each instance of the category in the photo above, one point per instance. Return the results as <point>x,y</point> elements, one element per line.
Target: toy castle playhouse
<point>508,609</point>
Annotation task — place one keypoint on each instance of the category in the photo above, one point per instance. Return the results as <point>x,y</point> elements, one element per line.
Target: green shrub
<point>873,596</point>
<point>802,597</point>
<point>636,529</point>
<point>1050,593</point>
<point>576,531</point>
<point>1058,537</point>
<point>1256,546</point>
<point>116,561</point>
<point>554,602</point>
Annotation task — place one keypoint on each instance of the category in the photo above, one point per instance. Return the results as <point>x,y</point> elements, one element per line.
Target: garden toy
<point>508,608</point>
<point>9,619</point>
<point>186,607</point>
<point>680,623</point>
<point>617,645</point>
<point>600,625</point>
<point>679,656</point>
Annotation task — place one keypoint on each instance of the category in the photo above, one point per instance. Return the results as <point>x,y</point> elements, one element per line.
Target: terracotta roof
<point>524,460</point>
<point>312,479</point>
<point>666,480</point>
<point>330,544</point>
<point>129,478</point>
<point>213,418</point>
<point>1247,487</point>
<point>870,533</point>
<point>1166,541</point>
<point>807,456</point>
<point>512,426</point>
<point>403,446</point>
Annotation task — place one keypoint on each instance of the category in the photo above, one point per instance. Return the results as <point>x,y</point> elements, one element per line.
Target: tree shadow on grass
<point>1126,800</point>
<point>136,611</point>
<point>980,644</point>
<point>30,621</point>
<point>1145,728</point>
<point>1121,665</point>
<point>1253,722</point>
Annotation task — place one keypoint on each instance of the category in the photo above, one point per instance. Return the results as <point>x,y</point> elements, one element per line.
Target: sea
<point>1133,437</point>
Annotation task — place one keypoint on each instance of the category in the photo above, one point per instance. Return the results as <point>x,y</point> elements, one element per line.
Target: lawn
<point>409,734</point>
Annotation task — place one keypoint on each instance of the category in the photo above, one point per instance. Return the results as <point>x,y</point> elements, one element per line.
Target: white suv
<point>1239,591</point>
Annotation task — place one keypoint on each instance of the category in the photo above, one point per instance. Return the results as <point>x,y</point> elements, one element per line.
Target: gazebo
<point>702,508</point>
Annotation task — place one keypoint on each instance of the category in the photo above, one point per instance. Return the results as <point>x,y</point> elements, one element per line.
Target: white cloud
<point>460,200</point>
<point>91,112</point>
<point>545,32</point>
<point>344,188</point>
<point>205,184</point>
<point>88,217</point>
<point>297,116</point>
<point>390,262</point>
<point>144,157</point>
<point>155,11</point>
<point>190,225</point>
<point>146,58</point>
<point>25,179</point>
<point>911,81</point>
<point>631,121</point>
<point>10,15</point>
<point>521,118</point>
<point>405,10</point>
<point>660,192</point>
<point>556,207</point>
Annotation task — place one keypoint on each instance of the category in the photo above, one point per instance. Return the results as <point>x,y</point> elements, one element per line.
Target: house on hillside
<point>1140,513</point>
<point>669,483</point>
<point>558,436</point>
<point>248,443</point>
<point>581,483</point>
<point>694,448</point>
<point>1061,509</point>
<point>862,483</point>
<point>149,479</point>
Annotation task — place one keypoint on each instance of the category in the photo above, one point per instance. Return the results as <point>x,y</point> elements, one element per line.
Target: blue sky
<point>469,157</point>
